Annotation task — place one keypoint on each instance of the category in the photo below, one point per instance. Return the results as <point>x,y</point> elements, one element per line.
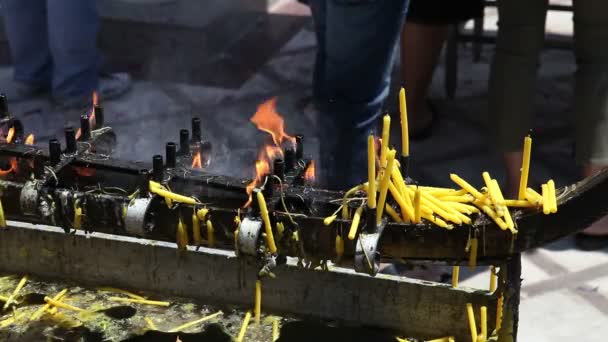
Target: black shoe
<point>586,242</point>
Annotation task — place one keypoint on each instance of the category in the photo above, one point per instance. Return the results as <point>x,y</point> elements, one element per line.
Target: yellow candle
<point>552,196</point>
<point>525,167</point>
<point>16,291</point>
<point>355,224</point>
<point>417,205</point>
<point>484,322</point>
<point>150,324</point>
<point>275,329</point>
<point>384,185</point>
<point>406,210</point>
<point>196,230</point>
<point>490,187</point>
<point>46,306</point>
<point>455,275</point>
<point>62,305</point>
<point>202,214</point>
<point>266,218</point>
<point>493,279</point>
<point>472,323</point>
<point>193,323</point>
<point>466,186</point>
<point>405,140</point>
<point>534,197</point>
<point>546,199</point>
<point>339,246</point>
<point>140,301</point>
<point>505,210</point>
<point>436,220</point>
<point>182,235</point>
<point>393,214</point>
<point>386,131</point>
<point>2,219</point>
<point>499,312</point>
<point>371,172</point>
<point>520,203</point>
<point>210,234</point>
<point>329,219</point>
<point>258,301</point>
<point>473,254</point>
<point>244,327</point>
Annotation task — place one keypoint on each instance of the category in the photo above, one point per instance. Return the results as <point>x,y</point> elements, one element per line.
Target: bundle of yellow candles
<point>388,192</point>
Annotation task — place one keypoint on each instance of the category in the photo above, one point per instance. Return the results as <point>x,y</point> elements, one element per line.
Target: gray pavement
<point>565,291</point>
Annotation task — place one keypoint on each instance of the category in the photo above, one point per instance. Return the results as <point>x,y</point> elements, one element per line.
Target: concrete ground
<point>565,291</point>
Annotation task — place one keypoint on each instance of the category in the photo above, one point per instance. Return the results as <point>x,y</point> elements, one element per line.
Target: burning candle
<point>417,206</point>
<point>384,185</point>
<point>266,218</point>
<point>405,140</point>
<point>525,167</point>
<point>472,324</point>
<point>386,131</point>
<point>371,172</point>
<point>258,301</point>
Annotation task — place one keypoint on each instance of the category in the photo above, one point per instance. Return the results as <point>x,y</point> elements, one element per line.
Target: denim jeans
<point>53,43</point>
<point>513,76</point>
<point>356,42</point>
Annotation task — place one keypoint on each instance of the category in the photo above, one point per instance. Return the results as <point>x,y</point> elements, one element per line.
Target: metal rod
<point>279,169</point>
<point>4,106</point>
<point>85,128</point>
<point>144,183</point>
<point>157,168</point>
<point>54,151</point>
<point>170,154</point>
<point>38,166</point>
<point>99,118</point>
<point>290,159</point>
<point>299,146</point>
<point>184,141</point>
<point>70,140</point>
<point>196,130</point>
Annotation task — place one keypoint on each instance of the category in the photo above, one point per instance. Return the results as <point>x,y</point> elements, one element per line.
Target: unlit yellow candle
<point>390,159</point>
<point>258,301</point>
<point>210,234</point>
<point>193,323</point>
<point>371,172</point>
<point>505,210</point>
<point>473,254</point>
<point>417,206</point>
<point>455,275</point>
<point>493,279</point>
<point>62,305</point>
<point>355,224</point>
<point>525,167</point>
<point>552,196</point>
<point>484,322</point>
<point>386,131</point>
<point>244,327</point>
<point>16,291</point>
<point>472,324</point>
<point>546,199</point>
<point>406,210</point>
<point>46,306</point>
<point>499,305</point>
<point>196,230</point>
<point>266,218</point>
<point>466,186</point>
<point>405,139</point>
<point>534,197</point>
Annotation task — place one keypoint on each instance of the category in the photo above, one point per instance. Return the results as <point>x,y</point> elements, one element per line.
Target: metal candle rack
<point>113,196</point>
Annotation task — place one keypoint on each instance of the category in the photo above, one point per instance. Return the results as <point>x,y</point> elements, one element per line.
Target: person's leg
<point>591,92</point>
<point>25,24</point>
<point>358,45</point>
<point>421,46</point>
<point>73,26</point>
<point>521,28</point>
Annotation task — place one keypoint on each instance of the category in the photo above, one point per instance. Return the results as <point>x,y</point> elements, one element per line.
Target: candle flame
<point>95,99</point>
<point>29,140</point>
<point>309,175</point>
<point>10,135</point>
<point>196,161</point>
<point>268,120</point>
<point>13,167</point>
<point>262,169</point>
<point>84,171</point>
<point>92,121</point>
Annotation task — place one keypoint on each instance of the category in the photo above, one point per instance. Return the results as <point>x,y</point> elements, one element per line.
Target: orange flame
<point>196,161</point>
<point>29,140</point>
<point>268,120</point>
<point>92,121</point>
<point>84,171</point>
<point>309,175</point>
<point>10,135</point>
<point>12,168</point>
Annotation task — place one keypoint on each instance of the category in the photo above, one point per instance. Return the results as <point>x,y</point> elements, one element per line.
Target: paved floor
<point>565,293</point>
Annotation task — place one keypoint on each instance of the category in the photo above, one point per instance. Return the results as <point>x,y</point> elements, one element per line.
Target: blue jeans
<point>53,44</point>
<point>356,43</point>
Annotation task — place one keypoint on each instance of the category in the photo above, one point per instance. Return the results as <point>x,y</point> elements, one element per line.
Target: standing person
<point>422,39</point>
<point>53,47</point>
<point>520,38</point>
<point>356,43</point>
